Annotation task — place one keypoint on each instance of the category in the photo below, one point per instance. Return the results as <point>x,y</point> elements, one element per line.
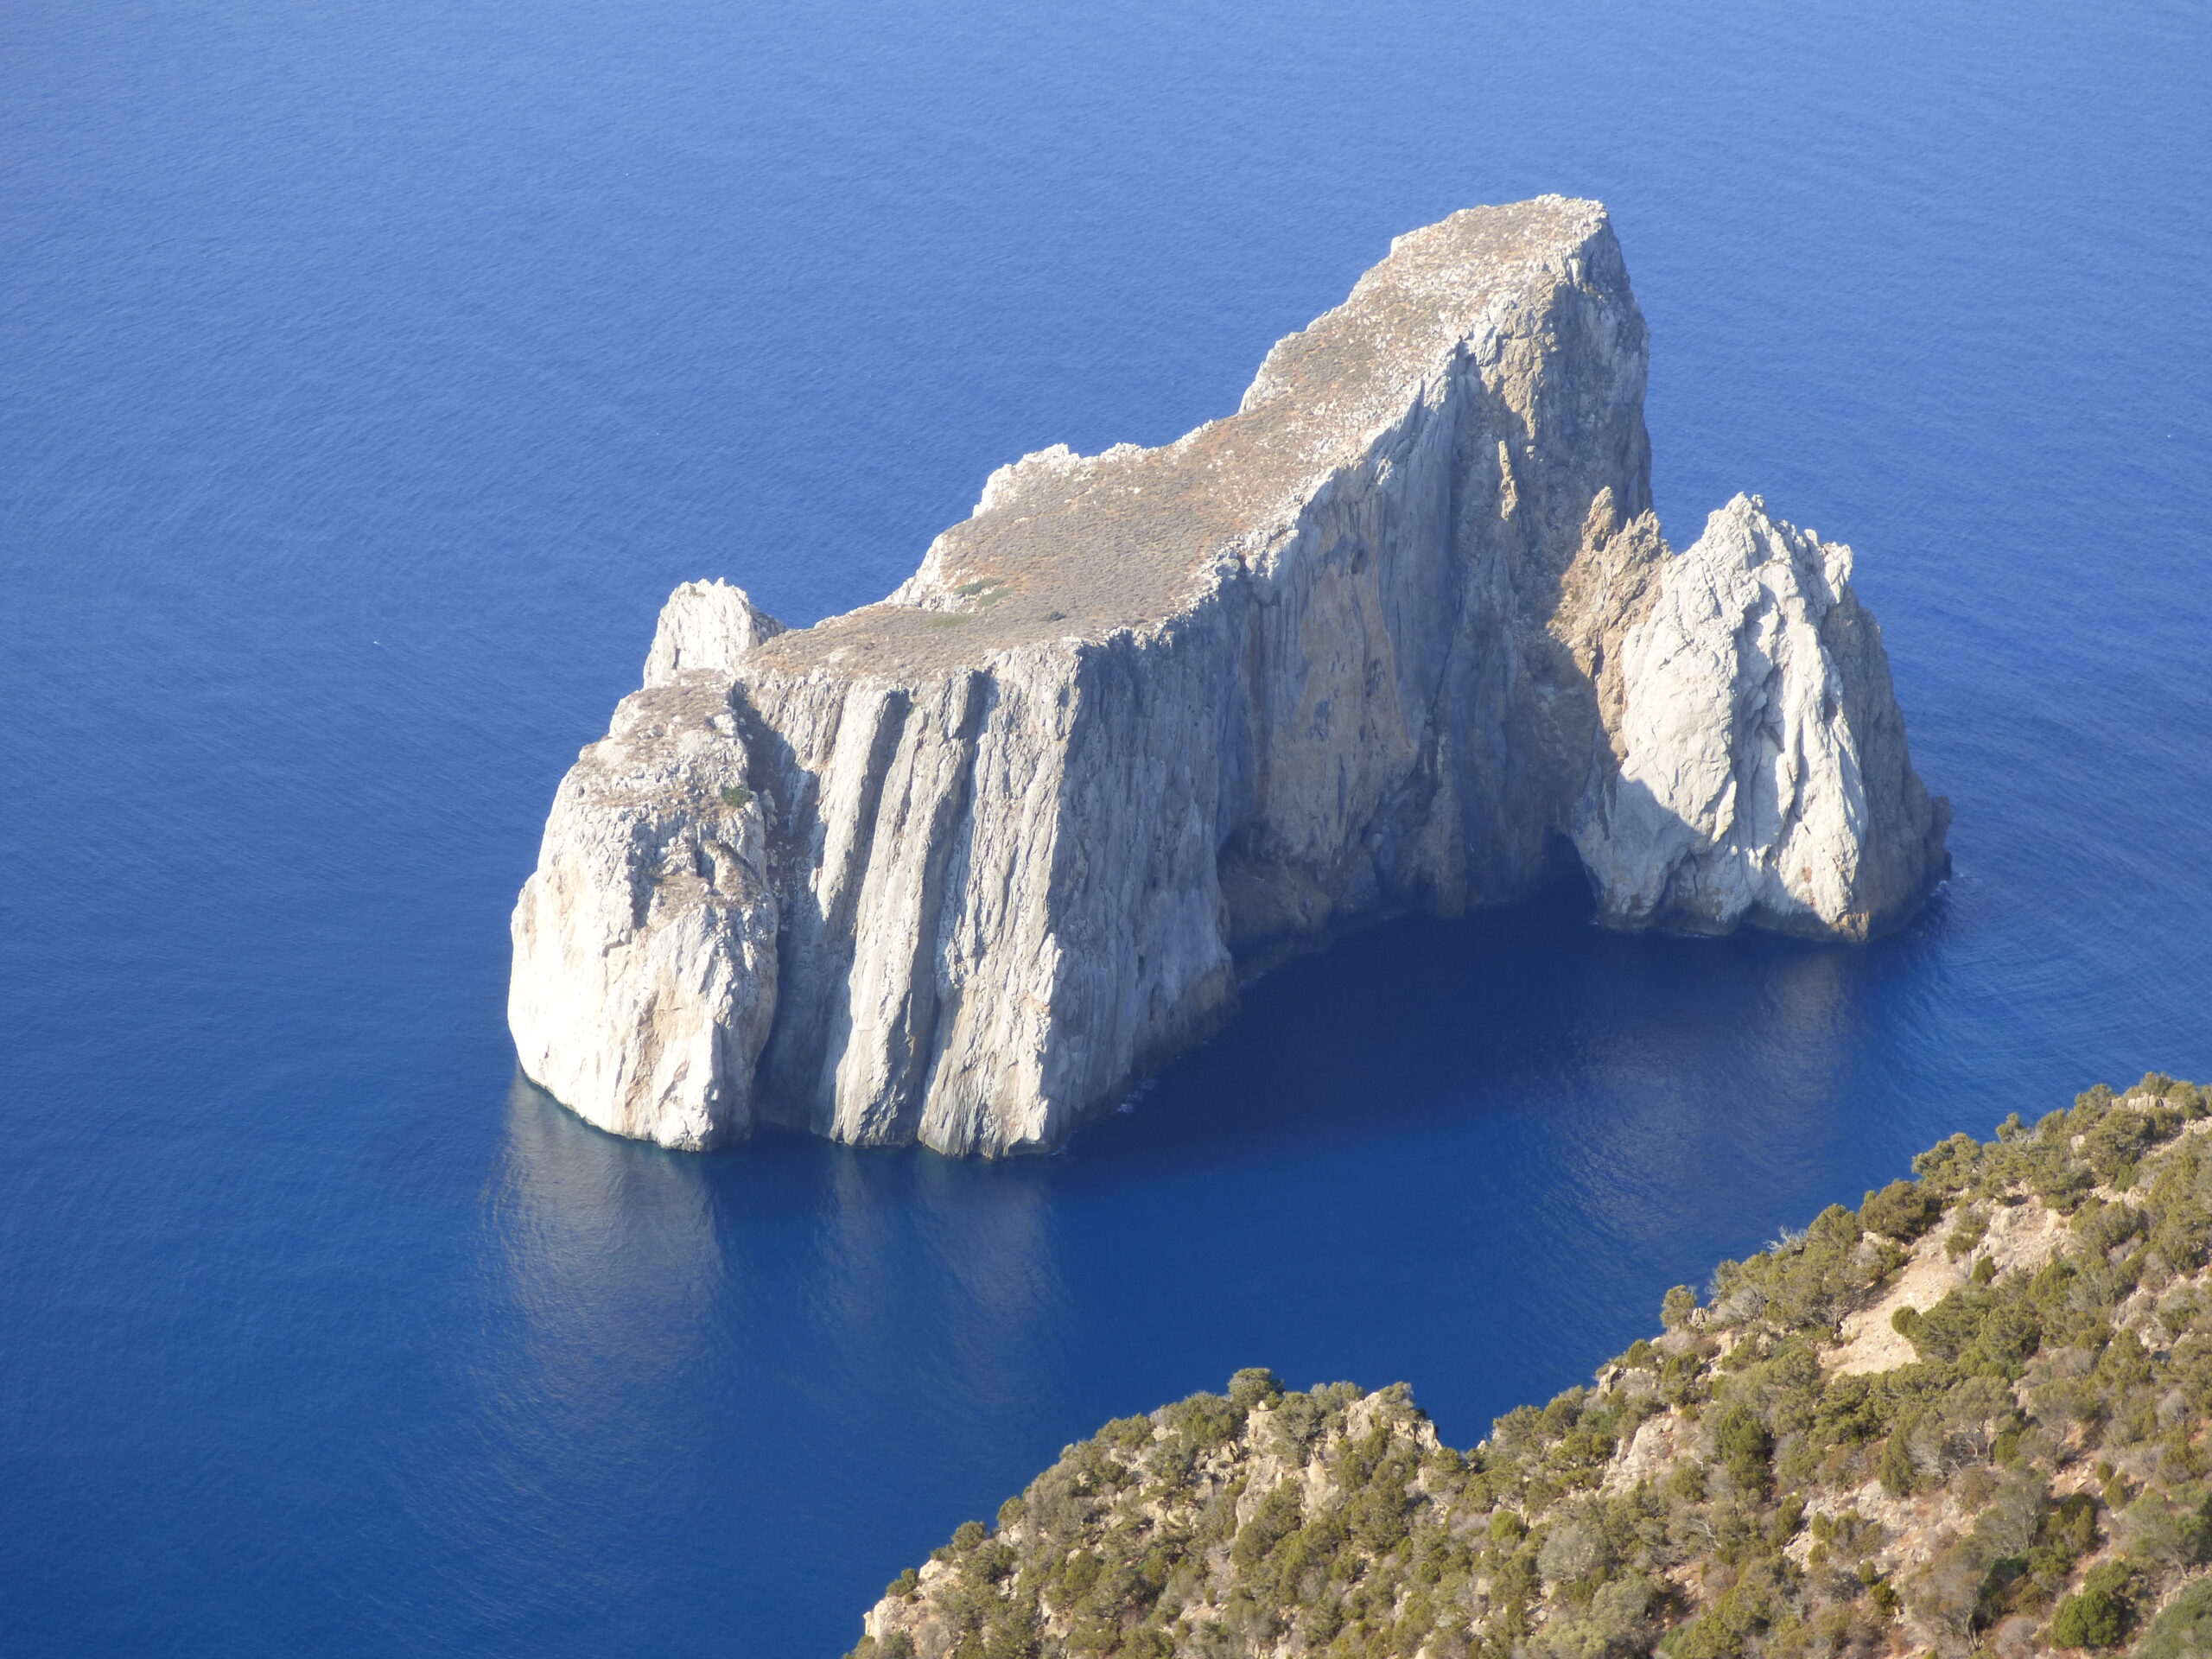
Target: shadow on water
<point>672,1344</point>
<point>611,1252</point>
<point>1421,1025</point>
<point>1478,1111</point>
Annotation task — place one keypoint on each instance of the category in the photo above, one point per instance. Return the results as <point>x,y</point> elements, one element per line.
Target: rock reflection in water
<point>602,1286</point>
<point>609,1263</point>
<point>689,1339</point>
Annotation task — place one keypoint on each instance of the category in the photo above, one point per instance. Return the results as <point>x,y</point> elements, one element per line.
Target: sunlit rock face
<point>645,944</point>
<point>1762,775</point>
<point>706,626</point>
<point>959,866</point>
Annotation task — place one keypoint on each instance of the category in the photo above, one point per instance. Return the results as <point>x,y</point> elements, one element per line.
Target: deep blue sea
<point>369,373</point>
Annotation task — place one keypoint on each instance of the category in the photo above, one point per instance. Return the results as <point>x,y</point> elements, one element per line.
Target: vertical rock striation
<point>958,866</point>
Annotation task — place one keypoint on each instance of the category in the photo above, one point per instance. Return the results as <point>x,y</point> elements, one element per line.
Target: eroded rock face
<point>645,960</point>
<point>1762,774</point>
<point>960,866</point>
<point>706,626</point>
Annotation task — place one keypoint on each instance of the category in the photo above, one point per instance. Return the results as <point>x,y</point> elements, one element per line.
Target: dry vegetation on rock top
<point>1968,1417</point>
<point>1067,545</point>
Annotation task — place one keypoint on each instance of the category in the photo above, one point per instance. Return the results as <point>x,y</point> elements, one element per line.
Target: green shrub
<point>2071,1525</point>
<point>2062,1183</point>
<point>2105,1610</point>
<point>1902,1211</point>
<point>1898,1475</point>
<point>1726,1629</point>
<point>2117,1141</point>
<point>2194,1538</point>
<point>1746,1449</point>
<point>1253,1386</point>
<point>1967,1234</point>
<point>1275,1519</point>
<point>2184,1630</point>
<point>2095,1618</point>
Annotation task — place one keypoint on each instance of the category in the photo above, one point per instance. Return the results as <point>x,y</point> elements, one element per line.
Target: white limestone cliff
<point>706,626</point>
<point>959,866</point>
<point>1762,774</point>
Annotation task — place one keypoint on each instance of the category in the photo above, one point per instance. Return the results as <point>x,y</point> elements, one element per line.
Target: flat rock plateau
<point>1401,635</point>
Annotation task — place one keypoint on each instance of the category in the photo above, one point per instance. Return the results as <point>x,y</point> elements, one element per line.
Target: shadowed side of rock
<point>959,867</point>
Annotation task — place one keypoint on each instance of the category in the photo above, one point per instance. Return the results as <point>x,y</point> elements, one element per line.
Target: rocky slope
<point>1969,1417</point>
<point>958,867</point>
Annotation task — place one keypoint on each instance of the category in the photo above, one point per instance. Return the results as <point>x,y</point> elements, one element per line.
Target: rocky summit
<point>1401,635</point>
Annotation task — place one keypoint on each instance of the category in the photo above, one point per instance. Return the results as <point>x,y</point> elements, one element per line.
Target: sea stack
<point>1401,635</point>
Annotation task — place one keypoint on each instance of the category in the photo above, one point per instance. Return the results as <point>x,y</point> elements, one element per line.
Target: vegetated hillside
<point>1969,1416</point>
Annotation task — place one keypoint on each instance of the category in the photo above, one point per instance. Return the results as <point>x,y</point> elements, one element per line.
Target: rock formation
<point>1759,771</point>
<point>959,866</point>
<point>706,626</point>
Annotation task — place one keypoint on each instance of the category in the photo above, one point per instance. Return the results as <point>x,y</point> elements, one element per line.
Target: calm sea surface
<point>368,374</point>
